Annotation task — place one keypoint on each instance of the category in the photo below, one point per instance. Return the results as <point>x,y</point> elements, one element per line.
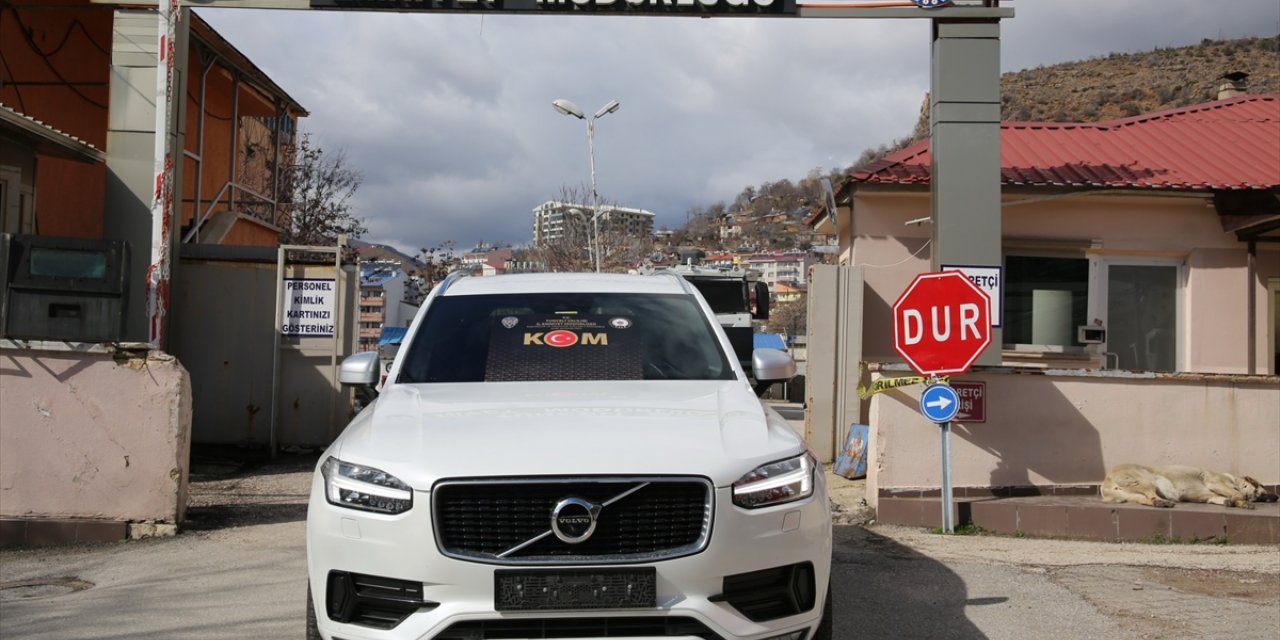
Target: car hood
<point>424,433</point>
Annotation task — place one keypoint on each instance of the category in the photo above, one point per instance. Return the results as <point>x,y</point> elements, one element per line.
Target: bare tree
<point>572,249</point>
<point>790,318</point>
<point>620,251</point>
<point>437,262</point>
<point>321,185</point>
<point>701,226</point>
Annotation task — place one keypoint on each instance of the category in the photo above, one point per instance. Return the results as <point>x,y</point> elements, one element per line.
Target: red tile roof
<point>1227,144</point>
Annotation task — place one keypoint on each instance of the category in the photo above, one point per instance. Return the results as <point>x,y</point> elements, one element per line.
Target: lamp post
<point>570,109</point>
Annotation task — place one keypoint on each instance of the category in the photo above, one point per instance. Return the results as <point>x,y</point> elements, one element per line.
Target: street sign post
<point>941,324</point>
<point>939,403</point>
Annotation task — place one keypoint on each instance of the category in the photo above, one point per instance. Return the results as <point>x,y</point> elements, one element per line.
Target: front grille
<point>663,518</point>
<point>633,627</point>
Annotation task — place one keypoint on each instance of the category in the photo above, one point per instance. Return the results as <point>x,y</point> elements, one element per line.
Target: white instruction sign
<point>989,279</point>
<point>308,307</point>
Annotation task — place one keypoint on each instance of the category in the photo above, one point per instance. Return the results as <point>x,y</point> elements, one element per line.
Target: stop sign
<point>941,323</point>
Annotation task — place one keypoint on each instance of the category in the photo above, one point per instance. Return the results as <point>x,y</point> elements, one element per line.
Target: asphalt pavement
<point>237,570</point>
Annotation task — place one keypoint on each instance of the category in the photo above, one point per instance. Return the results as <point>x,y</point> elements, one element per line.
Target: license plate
<point>552,589</point>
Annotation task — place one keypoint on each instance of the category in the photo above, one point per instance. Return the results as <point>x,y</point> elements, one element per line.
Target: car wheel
<point>824,628</point>
<point>313,631</point>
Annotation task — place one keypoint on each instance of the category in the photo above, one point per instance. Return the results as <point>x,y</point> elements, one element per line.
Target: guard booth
<point>71,289</point>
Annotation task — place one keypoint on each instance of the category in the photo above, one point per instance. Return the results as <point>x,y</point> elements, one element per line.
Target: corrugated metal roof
<point>234,58</point>
<point>46,138</point>
<point>391,335</point>
<point>767,341</point>
<point>1226,144</point>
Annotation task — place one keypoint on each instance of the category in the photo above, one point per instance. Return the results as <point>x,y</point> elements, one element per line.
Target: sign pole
<point>275,352</point>
<point>948,526</point>
<point>940,404</point>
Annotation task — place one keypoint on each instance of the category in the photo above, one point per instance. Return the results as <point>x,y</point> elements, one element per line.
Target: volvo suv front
<point>568,456</point>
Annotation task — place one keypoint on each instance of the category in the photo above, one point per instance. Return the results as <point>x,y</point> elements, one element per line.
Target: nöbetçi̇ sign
<point>941,323</point>
<point>308,307</point>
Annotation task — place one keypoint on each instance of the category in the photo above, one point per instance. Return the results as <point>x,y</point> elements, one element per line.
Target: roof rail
<point>450,279</point>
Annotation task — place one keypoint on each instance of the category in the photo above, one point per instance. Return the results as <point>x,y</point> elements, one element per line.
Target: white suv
<point>568,456</point>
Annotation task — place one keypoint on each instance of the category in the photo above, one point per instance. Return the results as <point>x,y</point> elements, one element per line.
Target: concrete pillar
<point>965,147</point>
<point>131,131</point>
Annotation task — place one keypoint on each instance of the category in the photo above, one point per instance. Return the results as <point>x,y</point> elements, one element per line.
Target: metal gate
<point>225,322</point>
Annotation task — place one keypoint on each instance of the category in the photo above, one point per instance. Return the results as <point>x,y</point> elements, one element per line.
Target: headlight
<point>365,488</point>
<point>776,483</point>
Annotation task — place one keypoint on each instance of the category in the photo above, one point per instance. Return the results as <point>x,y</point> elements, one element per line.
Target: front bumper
<point>692,587</point>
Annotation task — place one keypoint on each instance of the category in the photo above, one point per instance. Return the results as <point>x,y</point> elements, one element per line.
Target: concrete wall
<point>85,436</point>
<point>1068,428</point>
<point>833,352</point>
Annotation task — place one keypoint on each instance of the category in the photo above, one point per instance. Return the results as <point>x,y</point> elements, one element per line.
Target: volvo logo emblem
<point>574,520</point>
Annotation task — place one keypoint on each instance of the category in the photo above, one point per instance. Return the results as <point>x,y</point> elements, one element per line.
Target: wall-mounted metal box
<point>58,288</point>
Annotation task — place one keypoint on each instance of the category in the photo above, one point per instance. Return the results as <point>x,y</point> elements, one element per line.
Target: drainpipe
<point>206,65</point>
<point>235,142</point>
<point>280,116</point>
<point>1252,306</point>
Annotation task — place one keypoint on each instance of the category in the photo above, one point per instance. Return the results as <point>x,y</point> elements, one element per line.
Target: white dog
<point>1164,486</point>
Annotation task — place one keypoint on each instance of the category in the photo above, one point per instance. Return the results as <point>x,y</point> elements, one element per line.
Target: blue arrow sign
<point>939,403</point>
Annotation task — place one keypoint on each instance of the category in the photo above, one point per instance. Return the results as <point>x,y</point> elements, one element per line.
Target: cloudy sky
<point>449,117</point>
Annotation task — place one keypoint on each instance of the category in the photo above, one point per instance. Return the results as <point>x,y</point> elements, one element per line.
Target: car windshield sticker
<point>563,346</point>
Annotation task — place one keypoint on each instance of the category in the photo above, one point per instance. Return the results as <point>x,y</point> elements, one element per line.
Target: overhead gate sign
<point>580,7</point>
<point>308,307</point>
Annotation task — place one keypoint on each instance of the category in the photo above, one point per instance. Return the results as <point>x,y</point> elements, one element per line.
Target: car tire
<point>313,631</point>
<point>824,628</point>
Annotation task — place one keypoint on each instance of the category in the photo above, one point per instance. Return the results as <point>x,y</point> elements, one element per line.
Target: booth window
<point>1049,296</point>
<point>68,263</point>
<point>1142,313</point>
<point>1045,299</point>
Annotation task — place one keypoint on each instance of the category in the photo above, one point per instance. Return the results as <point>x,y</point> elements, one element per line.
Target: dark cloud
<point>449,117</point>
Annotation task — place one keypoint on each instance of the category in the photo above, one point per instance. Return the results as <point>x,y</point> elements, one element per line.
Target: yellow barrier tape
<point>885,384</point>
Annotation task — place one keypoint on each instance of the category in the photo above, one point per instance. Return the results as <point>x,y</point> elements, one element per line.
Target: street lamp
<point>570,109</point>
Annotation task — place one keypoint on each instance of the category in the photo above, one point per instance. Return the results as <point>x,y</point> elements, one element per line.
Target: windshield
<point>564,336</point>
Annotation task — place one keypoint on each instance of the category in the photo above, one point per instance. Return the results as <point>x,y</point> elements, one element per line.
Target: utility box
<point>56,288</point>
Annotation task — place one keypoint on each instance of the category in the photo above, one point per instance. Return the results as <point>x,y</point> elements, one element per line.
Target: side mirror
<point>772,365</point>
<point>762,301</point>
<point>360,369</point>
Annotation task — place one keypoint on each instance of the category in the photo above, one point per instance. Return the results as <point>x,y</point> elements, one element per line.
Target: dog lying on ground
<point>1165,486</point>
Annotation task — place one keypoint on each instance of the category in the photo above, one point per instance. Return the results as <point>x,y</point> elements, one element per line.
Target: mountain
<point>1127,84</point>
<point>1103,88</point>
